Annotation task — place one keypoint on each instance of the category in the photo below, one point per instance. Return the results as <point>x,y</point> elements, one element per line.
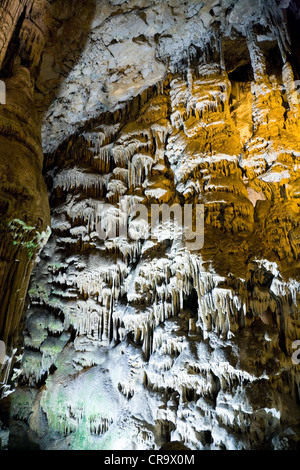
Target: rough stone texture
<point>131,45</point>
<point>24,206</point>
<point>138,344</point>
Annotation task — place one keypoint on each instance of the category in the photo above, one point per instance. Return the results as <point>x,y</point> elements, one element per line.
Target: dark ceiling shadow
<point>70,23</point>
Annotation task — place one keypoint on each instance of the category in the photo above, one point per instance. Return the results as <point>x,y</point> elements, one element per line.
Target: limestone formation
<point>24,206</point>
<point>142,341</point>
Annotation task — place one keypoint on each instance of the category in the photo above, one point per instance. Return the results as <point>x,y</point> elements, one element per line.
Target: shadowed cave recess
<point>142,344</point>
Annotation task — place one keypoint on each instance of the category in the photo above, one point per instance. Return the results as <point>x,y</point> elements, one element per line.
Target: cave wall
<point>130,344</point>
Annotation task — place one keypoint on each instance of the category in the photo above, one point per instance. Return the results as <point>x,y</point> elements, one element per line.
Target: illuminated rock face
<point>131,344</point>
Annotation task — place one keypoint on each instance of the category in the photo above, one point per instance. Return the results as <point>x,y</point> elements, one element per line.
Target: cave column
<point>24,205</point>
<point>10,13</point>
<point>258,61</point>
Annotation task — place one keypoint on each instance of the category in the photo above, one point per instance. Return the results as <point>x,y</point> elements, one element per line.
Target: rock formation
<point>24,207</point>
<point>137,341</point>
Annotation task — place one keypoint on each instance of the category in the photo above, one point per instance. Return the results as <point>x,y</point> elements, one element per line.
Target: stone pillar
<point>24,206</point>
<point>293,94</point>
